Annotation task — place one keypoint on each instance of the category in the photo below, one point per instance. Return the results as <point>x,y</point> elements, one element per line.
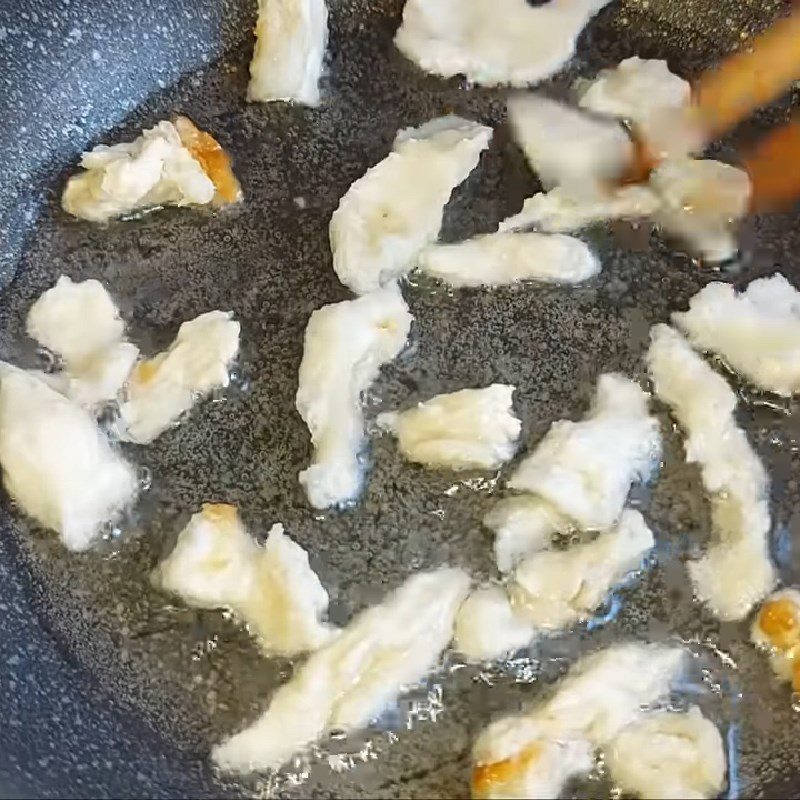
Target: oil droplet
<point>237,380</point>
<point>111,532</point>
<point>49,362</point>
<point>218,395</point>
<point>144,477</point>
<point>425,709</point>
<point>204,647</point>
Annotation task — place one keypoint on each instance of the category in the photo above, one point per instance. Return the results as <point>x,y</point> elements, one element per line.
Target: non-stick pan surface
<point>107,689</point>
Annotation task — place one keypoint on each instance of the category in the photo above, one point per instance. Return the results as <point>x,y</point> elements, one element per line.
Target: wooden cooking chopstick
<point>774,169</point>
<point>727,93</point>
<point>748,79</point>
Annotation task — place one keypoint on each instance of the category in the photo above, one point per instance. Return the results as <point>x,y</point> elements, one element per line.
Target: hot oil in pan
<point>197,676</point>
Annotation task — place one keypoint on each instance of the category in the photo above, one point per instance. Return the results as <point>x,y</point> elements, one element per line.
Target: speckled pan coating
<point>107,689</point>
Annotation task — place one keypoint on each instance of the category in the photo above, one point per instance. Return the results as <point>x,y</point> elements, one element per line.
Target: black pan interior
<point>106,688</point>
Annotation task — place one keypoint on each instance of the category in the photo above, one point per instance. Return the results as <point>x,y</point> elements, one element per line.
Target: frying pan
<point>110,689</point>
